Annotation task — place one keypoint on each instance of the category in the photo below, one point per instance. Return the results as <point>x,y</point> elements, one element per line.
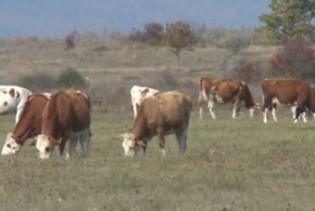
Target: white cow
<point>13,98</point>
<point>138,93</point>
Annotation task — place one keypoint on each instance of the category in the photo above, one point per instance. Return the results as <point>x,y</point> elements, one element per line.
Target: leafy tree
<point>288,19</point>
<point>179,36</point>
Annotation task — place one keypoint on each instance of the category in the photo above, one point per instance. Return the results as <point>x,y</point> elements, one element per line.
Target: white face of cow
<point>10,146</point>
<point>44,147</point>
<point>128,144</point>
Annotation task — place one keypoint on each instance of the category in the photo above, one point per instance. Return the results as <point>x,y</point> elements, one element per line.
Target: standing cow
<point>162,114</point>
<point>287,91</point>
<point>222,91</point>
<point>28,125</point>
<point>66,117</point>
<point>13,98</point>
<point>138,94</point>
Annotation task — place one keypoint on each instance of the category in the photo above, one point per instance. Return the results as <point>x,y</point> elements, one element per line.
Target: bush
<point>242,69</point>
<point>70,78</point>
<point>295,59</point>
<point>37,82</point>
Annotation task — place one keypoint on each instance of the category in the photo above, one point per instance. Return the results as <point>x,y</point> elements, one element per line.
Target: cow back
<point>66,111</point>
<point>166,109</point>
<point>287,91</point>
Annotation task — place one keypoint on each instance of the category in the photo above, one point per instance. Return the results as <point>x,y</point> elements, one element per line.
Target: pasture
<point>239,164</point>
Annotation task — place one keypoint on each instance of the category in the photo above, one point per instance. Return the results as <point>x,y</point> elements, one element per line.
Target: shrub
<point>242,69</point>
<point>295,59</point>
<point>70,78</point>
<point>37,81</point>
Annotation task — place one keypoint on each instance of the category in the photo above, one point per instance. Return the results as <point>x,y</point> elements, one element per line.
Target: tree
<point>151,35</point>
<point>288,19</point>
<point>70,40</point>
<point>179,36</point>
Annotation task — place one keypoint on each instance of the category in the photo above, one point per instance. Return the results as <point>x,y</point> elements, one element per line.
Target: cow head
<point>130,145</point>
<point>45,145</point>
<point>10,146</point>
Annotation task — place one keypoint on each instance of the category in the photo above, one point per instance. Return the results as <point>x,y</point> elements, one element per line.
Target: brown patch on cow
<point>5,103</point>
<point>12,92</point>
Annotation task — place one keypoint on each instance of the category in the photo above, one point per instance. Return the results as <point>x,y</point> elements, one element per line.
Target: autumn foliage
<point>295,59</point>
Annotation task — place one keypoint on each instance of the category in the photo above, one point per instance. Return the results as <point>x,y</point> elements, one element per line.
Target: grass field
<point>230,164</point>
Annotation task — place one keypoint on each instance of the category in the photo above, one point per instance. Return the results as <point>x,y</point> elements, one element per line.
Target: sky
<point>59,17</point>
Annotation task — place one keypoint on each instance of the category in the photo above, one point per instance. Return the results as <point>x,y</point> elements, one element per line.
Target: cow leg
<point>265,114</point>
<point>303,115</point>
<point>299,111</point>
<point>62,146</point>
<point>85,142</point>
<point>72,143</point>
<point>293,109</point>
<point>161,141</point>
<point>273,112</point>
<point>210,107</point>
<point>181,137</point>
<point>236,108</point>
<point>201,112</point>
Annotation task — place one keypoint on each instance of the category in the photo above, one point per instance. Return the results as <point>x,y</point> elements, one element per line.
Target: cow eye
<point>47,149</point>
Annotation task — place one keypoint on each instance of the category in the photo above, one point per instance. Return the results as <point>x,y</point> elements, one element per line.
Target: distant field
<point>230,164</point>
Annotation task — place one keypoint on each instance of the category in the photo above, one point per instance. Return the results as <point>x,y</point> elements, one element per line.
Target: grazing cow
<point>138,93</point>
<point>13,98</point>
<point>162,114</point>
<point>222,91</point>
<point>287,91</point>
<point>66,117</point>
<point>28,125</point>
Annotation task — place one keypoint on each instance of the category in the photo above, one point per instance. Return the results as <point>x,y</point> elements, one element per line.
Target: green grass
<point>230,164</point>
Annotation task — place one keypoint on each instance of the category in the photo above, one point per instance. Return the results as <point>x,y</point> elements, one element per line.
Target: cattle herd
<point>63,118</point>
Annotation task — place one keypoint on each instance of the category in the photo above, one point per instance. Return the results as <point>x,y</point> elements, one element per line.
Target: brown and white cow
<point>12,99</point>
<point>29,124</point>
<point>162,114</point>
<point>66,117</point>
<point>287,91</point>
<point>137,94</point>
<point>222,91</point>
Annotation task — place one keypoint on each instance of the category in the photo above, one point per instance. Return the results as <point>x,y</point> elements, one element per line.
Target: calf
<point>162,114</point>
